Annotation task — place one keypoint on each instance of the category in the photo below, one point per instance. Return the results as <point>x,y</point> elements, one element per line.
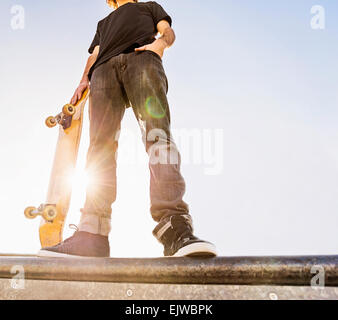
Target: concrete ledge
<point>74,290</point>
<point>268,271</point>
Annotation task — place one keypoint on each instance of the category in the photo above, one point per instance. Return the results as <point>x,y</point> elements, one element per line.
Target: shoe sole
<point>198,249</point>
<point>51,254</point>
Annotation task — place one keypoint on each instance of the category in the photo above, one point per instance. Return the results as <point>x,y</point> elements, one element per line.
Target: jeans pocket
<point>154,54</point>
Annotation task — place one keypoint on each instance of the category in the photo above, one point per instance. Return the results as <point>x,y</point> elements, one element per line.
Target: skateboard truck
<point>48,212</point>
<point>64,118</point>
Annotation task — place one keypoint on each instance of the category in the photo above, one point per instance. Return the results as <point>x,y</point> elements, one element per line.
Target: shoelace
<point>74,227</point>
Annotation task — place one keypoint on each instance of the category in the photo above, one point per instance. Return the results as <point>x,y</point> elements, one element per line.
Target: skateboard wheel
<point>69,110</point>
<point>50,122</point>
<point>49,213</point>
<point>29,212</point>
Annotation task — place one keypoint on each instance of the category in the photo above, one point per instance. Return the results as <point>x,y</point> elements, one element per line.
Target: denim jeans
<point>134,80</point>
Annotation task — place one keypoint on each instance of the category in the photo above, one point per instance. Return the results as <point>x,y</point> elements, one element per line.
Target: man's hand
<point>165,41</point>
<point>157,46</point>
<point>84,84</point>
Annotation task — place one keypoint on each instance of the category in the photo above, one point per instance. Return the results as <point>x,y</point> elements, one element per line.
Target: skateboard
<point>54,211</point>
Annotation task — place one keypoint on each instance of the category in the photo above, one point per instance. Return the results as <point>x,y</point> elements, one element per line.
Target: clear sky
<point>253,70</point>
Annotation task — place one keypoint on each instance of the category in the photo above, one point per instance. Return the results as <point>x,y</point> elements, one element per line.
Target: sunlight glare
<point>79,179</point>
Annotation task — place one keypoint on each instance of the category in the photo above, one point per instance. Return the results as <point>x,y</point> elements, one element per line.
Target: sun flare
<point>79,179</point>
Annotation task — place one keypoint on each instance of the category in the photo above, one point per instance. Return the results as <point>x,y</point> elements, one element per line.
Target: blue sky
<point>253,68</point>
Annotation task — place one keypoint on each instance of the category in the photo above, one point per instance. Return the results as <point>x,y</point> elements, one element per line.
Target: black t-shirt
<point>131,25</point>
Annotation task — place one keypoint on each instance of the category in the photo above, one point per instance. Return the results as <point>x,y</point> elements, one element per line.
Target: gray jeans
<point>137,80</point>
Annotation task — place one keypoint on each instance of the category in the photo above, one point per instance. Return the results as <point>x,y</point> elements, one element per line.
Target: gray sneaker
<point>81,244</point>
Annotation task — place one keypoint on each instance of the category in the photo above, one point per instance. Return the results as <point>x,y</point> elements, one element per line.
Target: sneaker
<point>176,234</point>
<point>81,244</point>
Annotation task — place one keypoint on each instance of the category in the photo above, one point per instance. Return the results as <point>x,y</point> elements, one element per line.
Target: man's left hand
<point>158,46</point>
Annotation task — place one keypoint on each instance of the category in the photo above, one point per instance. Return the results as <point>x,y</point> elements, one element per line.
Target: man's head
<point>115,3</point>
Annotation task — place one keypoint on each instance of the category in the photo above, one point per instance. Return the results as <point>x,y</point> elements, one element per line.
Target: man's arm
<point>166,40</point>
<point>84,83</point>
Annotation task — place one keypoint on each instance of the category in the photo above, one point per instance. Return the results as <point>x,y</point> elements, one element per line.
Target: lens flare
<point>79,179</point>
<point>154,108</point>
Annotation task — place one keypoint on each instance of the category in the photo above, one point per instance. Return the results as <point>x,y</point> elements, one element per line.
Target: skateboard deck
<point>54,211</point>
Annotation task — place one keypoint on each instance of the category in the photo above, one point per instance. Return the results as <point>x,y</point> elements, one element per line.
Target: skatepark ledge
<point>294,277</point>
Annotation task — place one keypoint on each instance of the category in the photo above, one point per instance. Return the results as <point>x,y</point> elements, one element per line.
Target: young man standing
<point>125,70</point>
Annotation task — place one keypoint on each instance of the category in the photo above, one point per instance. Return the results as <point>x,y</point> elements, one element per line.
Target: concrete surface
<point>69,290</point>
<point>223,278</point>
<point>222,270</point>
